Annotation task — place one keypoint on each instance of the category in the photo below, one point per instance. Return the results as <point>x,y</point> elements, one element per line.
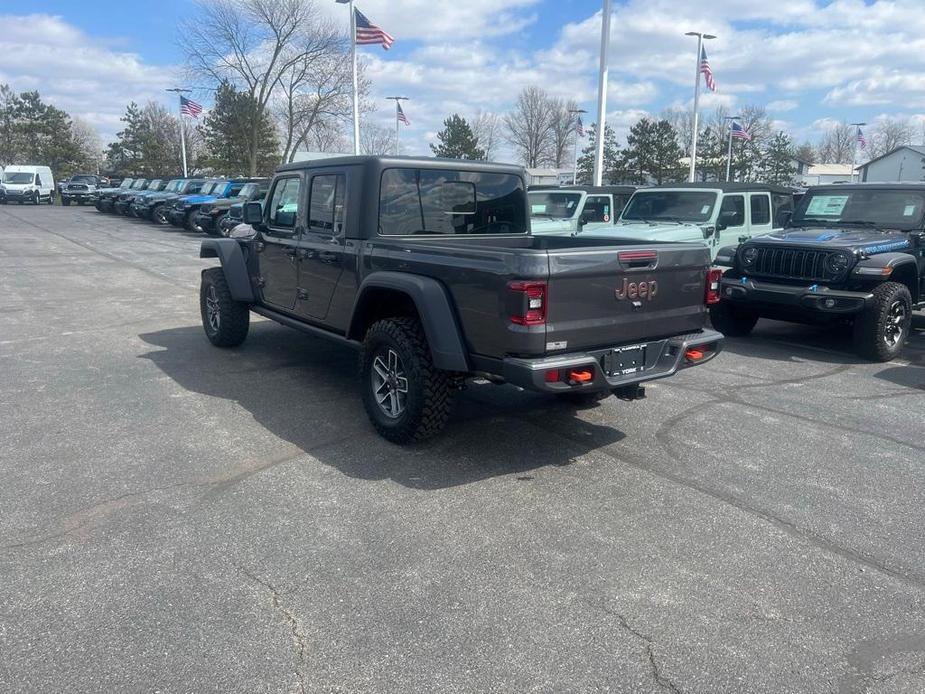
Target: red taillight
<point>581,376</point>
<point>529,306</point>
<point>552,376</point>
<point>636,256</point>
<point>694,354</point>
<point>711,293</point>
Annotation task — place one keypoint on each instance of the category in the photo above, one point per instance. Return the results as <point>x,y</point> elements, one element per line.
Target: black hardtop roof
<point>388,162</point>
<point>589,189</point>
<point>727,187</point>
<point>895,185</point>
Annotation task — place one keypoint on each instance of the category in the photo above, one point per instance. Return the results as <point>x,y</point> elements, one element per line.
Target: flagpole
<point>602,94</point>
<point>854,150</point>
<point>356,97</point>
<point>182,129</point>
<point>577,111</point>
<point>398,100</point>
<point>729,151</point>
<point>700,37</point>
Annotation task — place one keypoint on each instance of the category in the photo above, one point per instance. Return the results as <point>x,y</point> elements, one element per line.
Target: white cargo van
<point>21,184</point>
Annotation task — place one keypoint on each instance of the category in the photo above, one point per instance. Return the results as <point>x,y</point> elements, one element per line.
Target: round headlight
<point>749,255</point>
<point>836,263</point>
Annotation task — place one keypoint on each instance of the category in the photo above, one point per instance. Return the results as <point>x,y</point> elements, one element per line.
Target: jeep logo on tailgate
<point>636,290</point>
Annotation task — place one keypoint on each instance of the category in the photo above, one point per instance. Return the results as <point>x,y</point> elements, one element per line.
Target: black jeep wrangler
<point>428,267</point>
<point>851,253</point>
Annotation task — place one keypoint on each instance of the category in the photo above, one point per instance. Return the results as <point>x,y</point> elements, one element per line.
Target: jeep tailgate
<point>615,295</point>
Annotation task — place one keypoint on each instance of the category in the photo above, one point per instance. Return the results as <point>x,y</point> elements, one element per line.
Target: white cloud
<point>782,105</point>
<point>75,72</point>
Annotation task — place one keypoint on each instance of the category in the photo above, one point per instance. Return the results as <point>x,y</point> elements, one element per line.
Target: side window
<point>284,203</point>
<point>782,204</point>
<point>597,209</point>
<point>732,211</point>
<point>326,205</point>
<point>760,208</point>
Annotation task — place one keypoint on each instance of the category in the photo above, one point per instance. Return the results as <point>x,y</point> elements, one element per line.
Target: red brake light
<point>581,376</point>
<point>711,291</point>
<point>529,306</point>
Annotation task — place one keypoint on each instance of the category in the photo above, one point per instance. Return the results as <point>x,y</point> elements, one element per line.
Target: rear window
<point>438,202</point>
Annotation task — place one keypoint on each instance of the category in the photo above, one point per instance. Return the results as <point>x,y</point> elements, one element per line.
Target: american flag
<point>862,141</point>
<point>740,132</point>
<point>579,128</point>
<point>401,114</point>
<point>189,108</point>
<point>369,33</point>
<point>705,69</point>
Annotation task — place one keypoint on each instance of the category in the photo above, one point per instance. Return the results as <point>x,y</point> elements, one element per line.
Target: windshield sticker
<point>606,217</point>
<point>534,209</point>
<point>908,210</point>
<point>705,209</point>
<point>826,205</point>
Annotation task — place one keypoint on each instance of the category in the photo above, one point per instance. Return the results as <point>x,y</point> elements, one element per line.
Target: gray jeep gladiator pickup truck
<point>852,253</point>
<point>429,268</point>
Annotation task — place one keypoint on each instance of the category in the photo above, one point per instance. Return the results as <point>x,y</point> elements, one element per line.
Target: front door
<point>322,247</point>
<point>597,213</point>
<point>732,216</point>
<point>278,260</point>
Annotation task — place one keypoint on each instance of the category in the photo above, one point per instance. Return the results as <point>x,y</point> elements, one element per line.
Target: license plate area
<point>622,361</point>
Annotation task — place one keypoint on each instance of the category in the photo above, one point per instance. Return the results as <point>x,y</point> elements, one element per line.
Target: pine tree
<point>611,157</point>
<point>457,140</point>
<point>227,132</point>
<point>777,165</point>
<point>652,153</point>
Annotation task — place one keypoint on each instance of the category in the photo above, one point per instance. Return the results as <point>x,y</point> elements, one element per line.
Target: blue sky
<point>811,62</point>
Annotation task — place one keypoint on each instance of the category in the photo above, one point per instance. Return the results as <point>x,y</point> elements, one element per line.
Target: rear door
<point>278,259</point>
<point>321,249</point>
<point>616,295</point>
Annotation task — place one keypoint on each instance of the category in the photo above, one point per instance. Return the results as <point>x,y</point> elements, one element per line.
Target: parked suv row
<point>209,205</point>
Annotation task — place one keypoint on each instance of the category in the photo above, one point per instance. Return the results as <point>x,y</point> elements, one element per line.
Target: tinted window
<point>233,190</point>
<point>761,208</point>
<point>548,204</point>
<point>732,211</point>
<point>326,205</point>
<point>781,203</point>
<point>423,201</point>
<point>597,209</point>
<point>284,203</point>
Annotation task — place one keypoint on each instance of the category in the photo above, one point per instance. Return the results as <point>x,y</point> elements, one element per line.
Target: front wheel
<point>407,398</point>
<point>66,202</point>
<point>51,198</point>
<point>225,320</point>
<point>881,329</point>
<point>732,321</point>
<point>159,215</point>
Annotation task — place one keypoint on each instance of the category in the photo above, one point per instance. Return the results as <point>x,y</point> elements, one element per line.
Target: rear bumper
<point>663,358</point>
<point>813,299</point>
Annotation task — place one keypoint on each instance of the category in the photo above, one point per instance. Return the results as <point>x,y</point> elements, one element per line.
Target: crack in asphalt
<point>298,638</point>
<point>660,679</point>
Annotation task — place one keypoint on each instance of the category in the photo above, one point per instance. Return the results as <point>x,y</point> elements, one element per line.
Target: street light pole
<point>182,129</point>
<point>602,94</point>
<point>729,150</point>
<point>577,111</point>
<point>700,39</point>
<point>854,149</point>
<point>397,100</point>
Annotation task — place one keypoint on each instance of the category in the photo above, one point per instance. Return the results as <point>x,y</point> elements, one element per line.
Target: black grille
<point>76,186</point>
<point>790,263</point>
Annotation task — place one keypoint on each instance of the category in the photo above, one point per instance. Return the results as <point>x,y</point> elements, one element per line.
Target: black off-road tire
<point>215,230</point>
<point>51,198</point>
<point>429,389</point>
<point>874,326</point>
<point>66,202</point>
<point>158,216</point>
<point>233,317</point>
<point>732,321</point>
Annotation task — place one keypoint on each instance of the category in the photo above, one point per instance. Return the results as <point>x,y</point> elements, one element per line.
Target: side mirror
<point>720,225</point>
<point>253,213</point>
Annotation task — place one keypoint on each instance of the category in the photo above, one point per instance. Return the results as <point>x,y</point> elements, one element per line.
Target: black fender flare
<point>229,252</point>
<point>434,307</point>
<point>884,266</point>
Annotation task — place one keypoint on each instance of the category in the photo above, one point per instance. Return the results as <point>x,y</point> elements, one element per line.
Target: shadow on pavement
<point>304,390</point>
<point>826,344</point>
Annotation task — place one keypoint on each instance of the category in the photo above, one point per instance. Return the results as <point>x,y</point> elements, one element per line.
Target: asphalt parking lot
<point>176,518</point>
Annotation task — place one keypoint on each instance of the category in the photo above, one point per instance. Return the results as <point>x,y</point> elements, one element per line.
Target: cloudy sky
<point>811,62</point>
